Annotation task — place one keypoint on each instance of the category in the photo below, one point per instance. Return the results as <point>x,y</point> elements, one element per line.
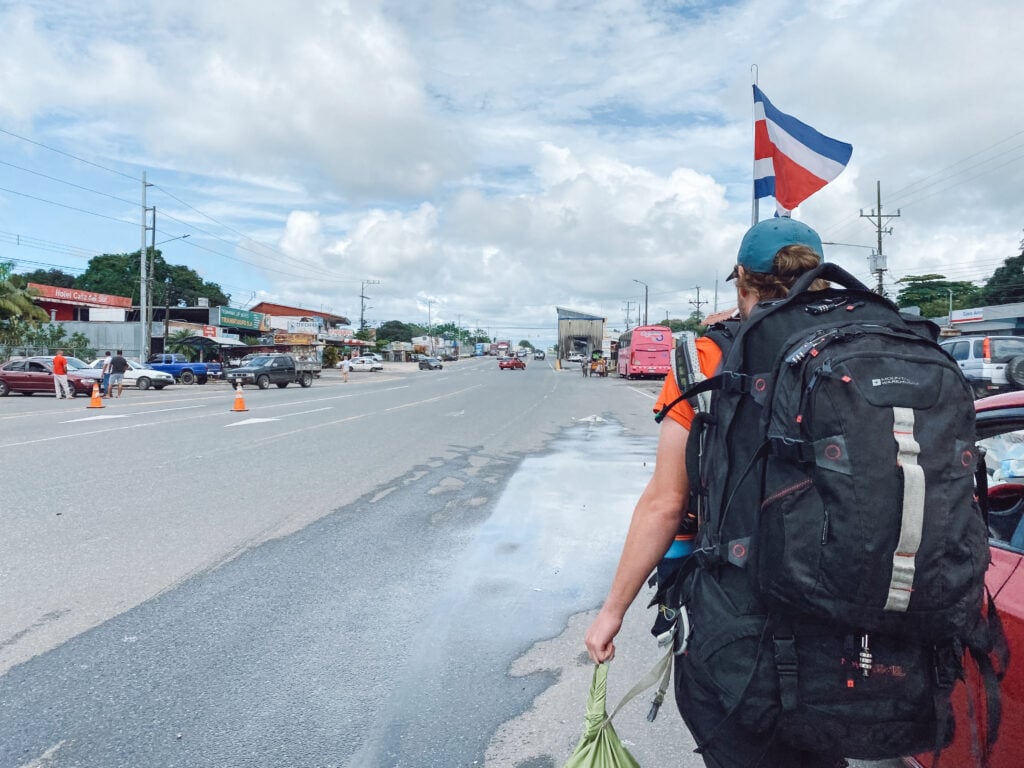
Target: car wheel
<point>187,377</point>
<point>5,389</point>
<point>158,387</point>
<point>282,384</point>
<point>1015,371</point>
<point>142,382</point>
<point>263,382</point>
<point>201,380</point>
<point>306,380</point>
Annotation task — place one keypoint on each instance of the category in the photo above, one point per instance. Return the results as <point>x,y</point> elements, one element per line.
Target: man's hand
<point>600,635</point>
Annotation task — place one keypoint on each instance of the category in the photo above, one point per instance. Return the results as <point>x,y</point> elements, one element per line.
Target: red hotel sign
<point>78,296</point>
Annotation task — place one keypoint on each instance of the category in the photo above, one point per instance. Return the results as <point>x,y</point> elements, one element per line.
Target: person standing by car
<point>105,382</point>
<point>60,376</point>
<point>118,366</point>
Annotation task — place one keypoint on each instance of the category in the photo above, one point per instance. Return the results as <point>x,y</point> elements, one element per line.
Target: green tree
<point>330,357</point>
<point>49,277</point>
<point>525,344</point>
<point>394,330</point>
<point>932,294</point>
<point>177,344</point>
<point>173,285</point>
<point>17,302</point>
<point>1006,286</point>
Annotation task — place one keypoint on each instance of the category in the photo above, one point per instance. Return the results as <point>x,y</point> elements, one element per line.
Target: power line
<point>67,154</point>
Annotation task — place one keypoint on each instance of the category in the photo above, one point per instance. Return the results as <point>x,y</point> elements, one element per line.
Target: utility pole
<point>645,299</point>
<point>698,303</point>
<point>878,260</point>
<point>143,280</point>
<point>628,315</point>
<point>362,302</point>
<point>147,309</point>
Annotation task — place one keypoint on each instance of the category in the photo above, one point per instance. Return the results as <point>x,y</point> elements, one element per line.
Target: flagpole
<point>753,124</point>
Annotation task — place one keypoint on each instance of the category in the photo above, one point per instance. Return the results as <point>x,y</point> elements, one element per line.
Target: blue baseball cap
<point>767,238</point>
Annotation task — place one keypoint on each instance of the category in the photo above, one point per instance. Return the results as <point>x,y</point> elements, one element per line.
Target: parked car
<point>138,375</point>
<point>30,375</point>
<point>1000,432</point>
<point>511,362</point>
<point>365,363</point>
<point>415,357</point>
<point>574,357</point>
<point>991,363</point>
<point>430,363</point>
<point>75,365</point>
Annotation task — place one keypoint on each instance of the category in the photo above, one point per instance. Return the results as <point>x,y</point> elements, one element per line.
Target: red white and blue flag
<point>792,161</point>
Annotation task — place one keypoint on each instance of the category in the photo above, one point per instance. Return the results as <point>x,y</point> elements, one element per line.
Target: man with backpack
<point>823,447</point>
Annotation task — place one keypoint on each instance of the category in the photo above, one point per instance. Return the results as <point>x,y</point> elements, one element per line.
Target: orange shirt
<point>710,357</point>
<point>60,365</point>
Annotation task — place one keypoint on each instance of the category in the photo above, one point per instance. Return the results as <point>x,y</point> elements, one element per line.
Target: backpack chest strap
<point>901,584</point>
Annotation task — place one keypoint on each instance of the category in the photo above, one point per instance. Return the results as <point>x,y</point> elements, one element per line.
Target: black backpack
<point>838,576</point>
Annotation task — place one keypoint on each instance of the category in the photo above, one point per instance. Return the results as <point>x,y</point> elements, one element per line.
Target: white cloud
<point>499,159</point>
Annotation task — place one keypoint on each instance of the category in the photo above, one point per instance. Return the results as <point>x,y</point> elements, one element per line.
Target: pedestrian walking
<point>105,381</point>
<point>60,376</point>
<point>118,366</point>
<point>346,365</point>
<point>769,264</point>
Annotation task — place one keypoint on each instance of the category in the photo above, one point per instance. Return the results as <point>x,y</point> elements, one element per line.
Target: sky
<point>484,162</point>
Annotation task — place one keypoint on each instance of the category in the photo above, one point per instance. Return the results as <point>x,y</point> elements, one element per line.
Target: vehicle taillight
<point>986,350</point>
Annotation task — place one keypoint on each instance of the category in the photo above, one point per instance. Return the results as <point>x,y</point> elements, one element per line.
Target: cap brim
<point>734,274</point>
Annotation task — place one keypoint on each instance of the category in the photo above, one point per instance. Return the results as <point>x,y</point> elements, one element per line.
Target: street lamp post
<point>645,298</point>
<point>147,311</point>
<point>949,319</point>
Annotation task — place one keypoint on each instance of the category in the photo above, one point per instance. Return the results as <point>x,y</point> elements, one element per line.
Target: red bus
<point>645,351</point>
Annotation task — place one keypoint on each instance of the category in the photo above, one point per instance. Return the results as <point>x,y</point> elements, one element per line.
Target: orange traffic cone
<point>96,401</point>
<point>239,400</point>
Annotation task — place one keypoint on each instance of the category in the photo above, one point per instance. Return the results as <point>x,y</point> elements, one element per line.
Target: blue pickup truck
<point>181,368</point>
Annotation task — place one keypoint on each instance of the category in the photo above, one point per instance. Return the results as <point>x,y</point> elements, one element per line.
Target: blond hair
<point>789,264</point>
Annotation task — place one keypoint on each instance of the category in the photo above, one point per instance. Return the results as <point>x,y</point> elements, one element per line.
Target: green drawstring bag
<point>599,746</point>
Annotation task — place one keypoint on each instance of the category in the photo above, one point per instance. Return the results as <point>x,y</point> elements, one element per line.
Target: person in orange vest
<point>60,376</point>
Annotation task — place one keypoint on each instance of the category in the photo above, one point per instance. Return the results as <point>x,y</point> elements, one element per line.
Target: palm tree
<point>176,343</point>
<point>17,302</point>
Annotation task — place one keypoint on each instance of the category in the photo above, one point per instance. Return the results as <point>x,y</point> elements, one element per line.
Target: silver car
<point>138,375</point>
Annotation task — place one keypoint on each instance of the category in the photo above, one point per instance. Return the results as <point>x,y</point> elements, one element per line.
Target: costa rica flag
<point>792,161</point>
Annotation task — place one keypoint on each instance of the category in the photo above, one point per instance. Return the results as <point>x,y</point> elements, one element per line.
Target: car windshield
<point>262,360</point>
<point>74,362</point>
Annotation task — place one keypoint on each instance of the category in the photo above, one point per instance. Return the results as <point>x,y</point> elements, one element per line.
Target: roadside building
<point>579,332</point>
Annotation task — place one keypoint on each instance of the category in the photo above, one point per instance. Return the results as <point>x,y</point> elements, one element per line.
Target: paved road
<point>396,571</point>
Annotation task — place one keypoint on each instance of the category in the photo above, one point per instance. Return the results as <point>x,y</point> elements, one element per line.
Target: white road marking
<point>98,418</point>
<point>248,421</point>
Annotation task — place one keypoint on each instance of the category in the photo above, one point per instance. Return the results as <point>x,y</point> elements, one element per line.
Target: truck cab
<point>264,370</point>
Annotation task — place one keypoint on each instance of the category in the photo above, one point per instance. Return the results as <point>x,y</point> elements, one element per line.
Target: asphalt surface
<point>397,571</point>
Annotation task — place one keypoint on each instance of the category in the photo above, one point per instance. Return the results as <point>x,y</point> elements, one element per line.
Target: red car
<point>31,376</point>
<point>1000,431</point>
<point>511,362</point>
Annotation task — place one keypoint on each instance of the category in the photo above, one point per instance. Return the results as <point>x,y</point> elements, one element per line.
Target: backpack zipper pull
<point>866,659</point>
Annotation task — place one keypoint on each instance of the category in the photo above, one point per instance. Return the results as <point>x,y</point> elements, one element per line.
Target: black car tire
<point>282,384</point>
<point>27,394</point>
<point>158,387</point>
<point>306,380</point>
<point>263,382</point>
<point>142,383</point>
<point>187,377</point>
<point>1015,371</point>
<point>5,389</point>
